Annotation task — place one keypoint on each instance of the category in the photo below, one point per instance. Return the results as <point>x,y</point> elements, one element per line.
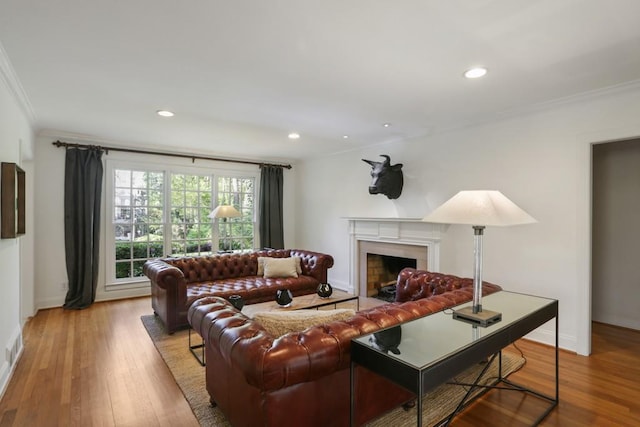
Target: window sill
<point>137,283</point>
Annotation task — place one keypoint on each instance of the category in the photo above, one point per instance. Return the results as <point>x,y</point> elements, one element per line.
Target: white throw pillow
<point>280,267</point>
<point>279,323</point>
<point>298,264</point>
<point>261,265</point>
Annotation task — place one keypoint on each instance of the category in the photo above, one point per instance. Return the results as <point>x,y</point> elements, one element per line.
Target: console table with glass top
<point>435,348</point>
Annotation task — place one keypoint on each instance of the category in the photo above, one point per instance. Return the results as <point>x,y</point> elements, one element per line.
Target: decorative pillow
<point>279,323</point>
<point>261,265</point>
<point>280,267</point>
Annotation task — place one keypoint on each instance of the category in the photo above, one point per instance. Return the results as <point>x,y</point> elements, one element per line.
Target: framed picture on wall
<point>12,201</point>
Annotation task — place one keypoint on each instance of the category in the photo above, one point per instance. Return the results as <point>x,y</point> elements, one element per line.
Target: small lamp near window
<point>479,209</point>
<point>224,212</point>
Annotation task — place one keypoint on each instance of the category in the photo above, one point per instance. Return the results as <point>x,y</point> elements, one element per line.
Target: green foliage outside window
<point>140,201</point>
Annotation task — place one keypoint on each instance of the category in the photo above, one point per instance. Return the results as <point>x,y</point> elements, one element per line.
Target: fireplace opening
<point>382,274</point>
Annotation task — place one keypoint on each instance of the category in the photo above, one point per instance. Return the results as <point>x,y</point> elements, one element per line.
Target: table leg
<point>194,347</point>
<point>419,401</point>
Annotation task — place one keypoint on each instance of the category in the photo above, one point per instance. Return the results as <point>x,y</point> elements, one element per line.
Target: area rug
<point>190,377</point>
<point>186,370</point>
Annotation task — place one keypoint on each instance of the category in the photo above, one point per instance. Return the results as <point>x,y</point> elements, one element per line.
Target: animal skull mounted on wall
<point>387,179</point>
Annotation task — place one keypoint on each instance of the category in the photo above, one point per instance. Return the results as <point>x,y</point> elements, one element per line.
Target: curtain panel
<point>82,198</point>
<point>271,202</point>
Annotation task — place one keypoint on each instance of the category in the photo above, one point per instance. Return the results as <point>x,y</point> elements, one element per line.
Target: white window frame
<point>110,243</point>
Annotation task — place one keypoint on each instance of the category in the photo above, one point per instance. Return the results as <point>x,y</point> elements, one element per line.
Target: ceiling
<point>241,75</point>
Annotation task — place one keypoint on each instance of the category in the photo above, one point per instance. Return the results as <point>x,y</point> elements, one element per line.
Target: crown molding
<point>11,81</point>
<point>577,98</point>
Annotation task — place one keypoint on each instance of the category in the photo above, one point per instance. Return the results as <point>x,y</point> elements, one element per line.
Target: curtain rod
<point>160,153</point>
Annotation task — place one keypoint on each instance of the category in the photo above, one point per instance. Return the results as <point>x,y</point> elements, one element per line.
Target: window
<point>236,233</point>
<point>190,205</point>
<point>138,220</point>
<point>157,213</point>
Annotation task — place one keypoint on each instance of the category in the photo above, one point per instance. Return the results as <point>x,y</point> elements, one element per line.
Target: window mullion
<point>167,213</point>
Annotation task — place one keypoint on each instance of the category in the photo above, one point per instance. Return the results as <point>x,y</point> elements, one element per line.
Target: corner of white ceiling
<point>11,81</point>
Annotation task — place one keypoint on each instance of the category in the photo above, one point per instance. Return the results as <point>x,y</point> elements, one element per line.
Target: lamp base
<point>483,318</point>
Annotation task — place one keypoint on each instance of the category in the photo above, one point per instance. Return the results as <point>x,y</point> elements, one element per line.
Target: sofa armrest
<point>163,274</point>
<point>314,264</point>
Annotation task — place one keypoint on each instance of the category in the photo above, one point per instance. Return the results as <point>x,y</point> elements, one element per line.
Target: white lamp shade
<point>224,211</point>
<point>481,208</point>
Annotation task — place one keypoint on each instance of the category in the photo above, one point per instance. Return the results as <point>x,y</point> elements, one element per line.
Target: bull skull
<point>387,179</point>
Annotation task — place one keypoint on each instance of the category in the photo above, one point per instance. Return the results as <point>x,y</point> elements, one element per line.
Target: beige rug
<point>190,376</point>
<point>186,370</point>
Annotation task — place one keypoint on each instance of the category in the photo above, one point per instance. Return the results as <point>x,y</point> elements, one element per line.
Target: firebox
<point>381,262</point>
<point>382,273</point>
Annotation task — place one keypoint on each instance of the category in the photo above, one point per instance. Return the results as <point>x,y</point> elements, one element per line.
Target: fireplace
<point>381,247</point>
<point>382,274</point>
<point>380,263</point>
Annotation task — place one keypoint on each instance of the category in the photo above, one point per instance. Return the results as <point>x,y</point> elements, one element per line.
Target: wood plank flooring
<point>600,390</point>
<point>93,367</point>
<point>98,367</point>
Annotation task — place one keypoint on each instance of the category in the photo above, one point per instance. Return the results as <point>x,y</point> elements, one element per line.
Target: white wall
<point>540,159</point>
<point>50,267</point>
<point>15,142</point>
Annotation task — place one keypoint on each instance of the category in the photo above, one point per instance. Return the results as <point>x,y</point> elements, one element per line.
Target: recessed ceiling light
<point>386,125</point>
<point>165,113</point>
<point>345,136</point>
<point>294,135</point>
<point>474,73</point>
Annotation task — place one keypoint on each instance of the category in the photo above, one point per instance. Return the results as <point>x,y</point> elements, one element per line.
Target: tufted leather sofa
<point>177,282</point>
<point>303,378</point>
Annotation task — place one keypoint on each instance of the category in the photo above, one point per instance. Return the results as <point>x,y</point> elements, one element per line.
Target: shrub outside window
<point>157,213</point>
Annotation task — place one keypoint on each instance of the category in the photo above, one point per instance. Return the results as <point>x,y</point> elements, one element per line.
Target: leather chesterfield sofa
<point>177,282</point>
<point>302,378</point>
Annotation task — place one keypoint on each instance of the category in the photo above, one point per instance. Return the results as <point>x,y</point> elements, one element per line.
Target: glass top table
<point>426,352</point>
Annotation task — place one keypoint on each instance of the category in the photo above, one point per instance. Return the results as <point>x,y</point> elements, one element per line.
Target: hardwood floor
<point>93,367</point>
<point>98,367</point>
<point>600,390</point>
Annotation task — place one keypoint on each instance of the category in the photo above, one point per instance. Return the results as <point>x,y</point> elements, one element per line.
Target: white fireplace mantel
<point>397,231</point>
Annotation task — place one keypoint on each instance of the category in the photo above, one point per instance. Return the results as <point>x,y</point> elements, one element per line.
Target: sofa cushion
<point>253,289</point>
<point>261,265</point>
<point>280,267</point>
<point>279,323</point>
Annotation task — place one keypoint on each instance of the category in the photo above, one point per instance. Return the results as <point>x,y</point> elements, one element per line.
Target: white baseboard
<point>343,286</point>
<point>617,319</point>
<point>58,301</point>
<point>547,336</point>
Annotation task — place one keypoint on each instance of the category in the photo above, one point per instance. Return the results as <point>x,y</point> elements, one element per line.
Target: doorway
<point>615,275</point>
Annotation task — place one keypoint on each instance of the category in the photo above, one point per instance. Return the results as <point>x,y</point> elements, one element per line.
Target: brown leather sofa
<point>303,378</point>
<point>177,282</point>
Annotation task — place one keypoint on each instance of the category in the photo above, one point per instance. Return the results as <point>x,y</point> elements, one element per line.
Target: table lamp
<point>479,209</point>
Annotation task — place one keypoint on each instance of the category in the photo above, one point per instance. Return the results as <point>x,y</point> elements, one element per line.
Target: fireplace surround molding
<point>403,237</point>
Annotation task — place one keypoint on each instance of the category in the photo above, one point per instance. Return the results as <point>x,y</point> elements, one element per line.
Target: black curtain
<point>82,194</point>
<point>271,223</point>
